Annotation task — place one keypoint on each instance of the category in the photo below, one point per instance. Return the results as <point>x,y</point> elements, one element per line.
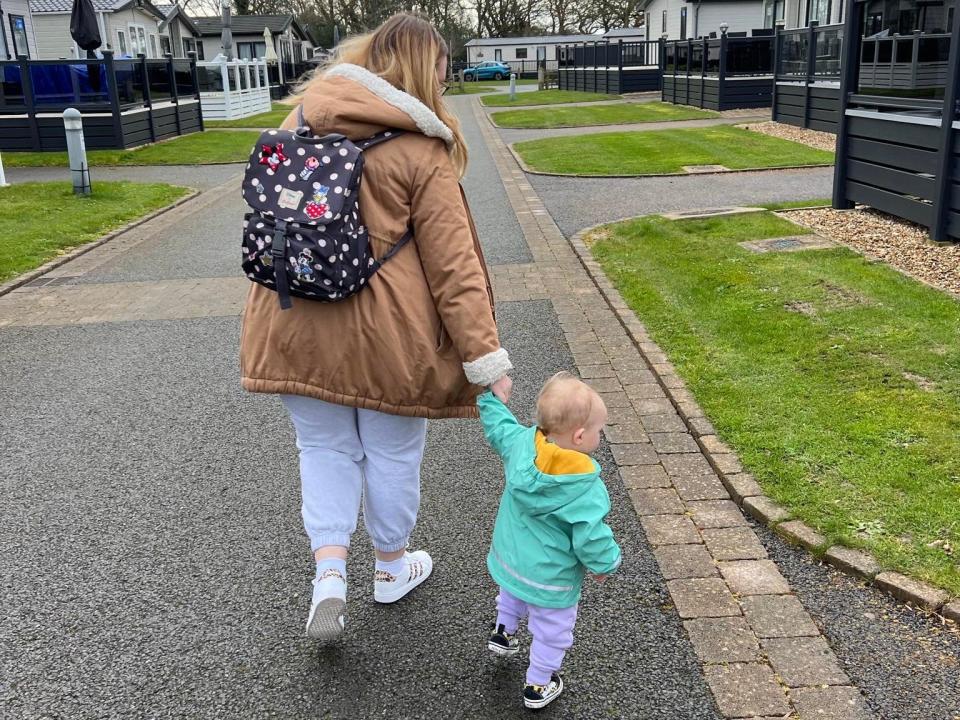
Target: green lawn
<point>33,236</point>
<point>195,149</point>
<point>544,97</point>
<point>599,115</point>
<point>837,380</point>
<point>665,151</point>
<point>271,119</point>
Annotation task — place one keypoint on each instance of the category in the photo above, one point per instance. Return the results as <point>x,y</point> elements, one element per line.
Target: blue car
<point>487,71</point>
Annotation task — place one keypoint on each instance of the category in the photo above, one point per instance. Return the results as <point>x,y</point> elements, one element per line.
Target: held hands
<point>599,578</point>
<point>502,389</point>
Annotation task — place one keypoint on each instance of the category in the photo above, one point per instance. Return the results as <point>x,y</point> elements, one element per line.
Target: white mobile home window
<point>122,42</point>
<point>3,41</point>
<point>153,46</point>
<point>138,39</point>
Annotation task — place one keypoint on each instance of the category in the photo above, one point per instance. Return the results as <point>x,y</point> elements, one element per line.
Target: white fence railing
<point>231,90</point>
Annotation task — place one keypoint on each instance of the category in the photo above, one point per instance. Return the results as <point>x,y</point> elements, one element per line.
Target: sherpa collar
<point>427,120</point>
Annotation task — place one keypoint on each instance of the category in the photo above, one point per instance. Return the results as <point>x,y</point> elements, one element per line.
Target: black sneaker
<point>501,642</point>
<point>538,696</point>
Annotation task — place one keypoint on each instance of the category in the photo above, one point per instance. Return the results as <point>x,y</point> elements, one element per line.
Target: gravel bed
<point>813,138</point>
<point>899,243</point>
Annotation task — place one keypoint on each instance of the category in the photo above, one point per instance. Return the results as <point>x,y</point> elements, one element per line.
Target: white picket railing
<point>231,90</point>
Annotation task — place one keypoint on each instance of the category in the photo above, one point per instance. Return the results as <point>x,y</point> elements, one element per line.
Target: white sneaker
<point>325,621</point>
<point>389,588</point>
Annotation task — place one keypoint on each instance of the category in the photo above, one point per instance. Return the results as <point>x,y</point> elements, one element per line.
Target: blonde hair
<point>404,51</point>
<point>565,403</point>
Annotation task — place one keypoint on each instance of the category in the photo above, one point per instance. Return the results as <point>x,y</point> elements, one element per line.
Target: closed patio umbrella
<point>85,31</point>
<point>226,35</point>
<point>83,26</point>
<point>270,54</point>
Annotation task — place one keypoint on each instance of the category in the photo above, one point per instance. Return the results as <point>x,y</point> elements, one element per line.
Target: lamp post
<point>723,28</point>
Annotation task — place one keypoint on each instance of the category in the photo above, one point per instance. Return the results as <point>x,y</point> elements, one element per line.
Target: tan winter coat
<point>420,339</point>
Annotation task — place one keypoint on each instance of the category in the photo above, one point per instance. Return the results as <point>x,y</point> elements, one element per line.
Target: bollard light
<point>513,87</point>
<point>3,178</point>
<point>76,151</point>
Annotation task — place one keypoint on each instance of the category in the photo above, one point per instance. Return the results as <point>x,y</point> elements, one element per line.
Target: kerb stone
<point>909,590</point>
<point>852,562</point>
<point>802,534</point>
<point>765,510</point>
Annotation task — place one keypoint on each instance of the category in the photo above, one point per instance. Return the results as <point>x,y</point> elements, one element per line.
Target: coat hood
<point>353,101</point>
<point>538,493</point>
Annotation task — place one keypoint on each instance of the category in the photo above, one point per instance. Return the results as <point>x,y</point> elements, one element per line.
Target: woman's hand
<point>502,389</point>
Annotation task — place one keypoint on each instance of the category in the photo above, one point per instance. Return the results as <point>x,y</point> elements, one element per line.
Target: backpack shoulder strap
<point>380,137</point>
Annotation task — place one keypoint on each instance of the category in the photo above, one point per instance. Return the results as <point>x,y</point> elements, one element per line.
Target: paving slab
<point>716,514</point>
<point>700,487</point>
<point>684,561</point>
<point>703,597</point>
<point>723,640</point>
<point>746,690</point>
<point>804,661</point>
<point>778,616</point>
<point>754,577</point>
<point>733,543</point>
<point>830,703</point>
<point>669,530</point>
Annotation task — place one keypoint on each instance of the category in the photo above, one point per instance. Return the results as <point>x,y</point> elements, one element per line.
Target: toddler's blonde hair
<point>565,403</point>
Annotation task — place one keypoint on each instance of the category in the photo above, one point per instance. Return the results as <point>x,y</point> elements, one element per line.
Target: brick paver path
<point>731,597</point>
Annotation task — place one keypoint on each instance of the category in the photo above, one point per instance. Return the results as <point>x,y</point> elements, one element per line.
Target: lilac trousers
<point>551,628</point>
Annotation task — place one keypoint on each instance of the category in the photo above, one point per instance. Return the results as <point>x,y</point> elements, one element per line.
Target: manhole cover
<point>696,169</point>
<point>45,281</point>
<point>708,212</point>
<point>789,244</point>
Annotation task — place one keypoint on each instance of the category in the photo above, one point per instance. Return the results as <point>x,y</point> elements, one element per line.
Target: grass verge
<point>273,119</point>
<point>544,97</point>
<point>665,151</point>
<point>836,380</point>
<point>599,115</point>
<point>67,220</point>
<point>196,149</point>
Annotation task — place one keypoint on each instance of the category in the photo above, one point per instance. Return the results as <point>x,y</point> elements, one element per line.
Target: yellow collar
<point>555,460</point>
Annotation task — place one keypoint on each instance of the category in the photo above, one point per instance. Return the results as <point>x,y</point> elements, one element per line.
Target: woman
<point>360,377</point>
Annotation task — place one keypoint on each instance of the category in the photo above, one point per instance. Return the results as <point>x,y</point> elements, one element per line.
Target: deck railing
<point>719,73</point>
<point>611,67</point>
<point>34,92</point>
<point>721,57</point>
<point>898,148</point>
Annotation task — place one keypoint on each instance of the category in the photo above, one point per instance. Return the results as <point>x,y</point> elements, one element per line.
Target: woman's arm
<point>453,270</point>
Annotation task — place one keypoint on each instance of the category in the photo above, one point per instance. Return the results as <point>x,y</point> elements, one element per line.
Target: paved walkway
<point>153,563</point>
<point>197,176</point>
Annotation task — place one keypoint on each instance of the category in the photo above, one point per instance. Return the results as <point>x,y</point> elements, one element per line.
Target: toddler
<point>550,528</point>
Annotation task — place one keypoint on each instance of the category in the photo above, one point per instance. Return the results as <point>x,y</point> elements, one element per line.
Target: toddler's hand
<point>599,578</point>
<point>502,389</point>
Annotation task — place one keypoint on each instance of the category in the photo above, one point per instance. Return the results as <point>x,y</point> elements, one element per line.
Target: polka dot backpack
<point>303,236</point>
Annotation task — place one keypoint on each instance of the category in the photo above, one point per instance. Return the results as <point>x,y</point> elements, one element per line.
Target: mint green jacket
<point>550,529</point>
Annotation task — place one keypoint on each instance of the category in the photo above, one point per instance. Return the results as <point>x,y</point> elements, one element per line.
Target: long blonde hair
<point>404,51</point>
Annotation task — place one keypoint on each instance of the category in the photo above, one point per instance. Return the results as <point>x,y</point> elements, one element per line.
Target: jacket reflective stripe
<point>531,583</point>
